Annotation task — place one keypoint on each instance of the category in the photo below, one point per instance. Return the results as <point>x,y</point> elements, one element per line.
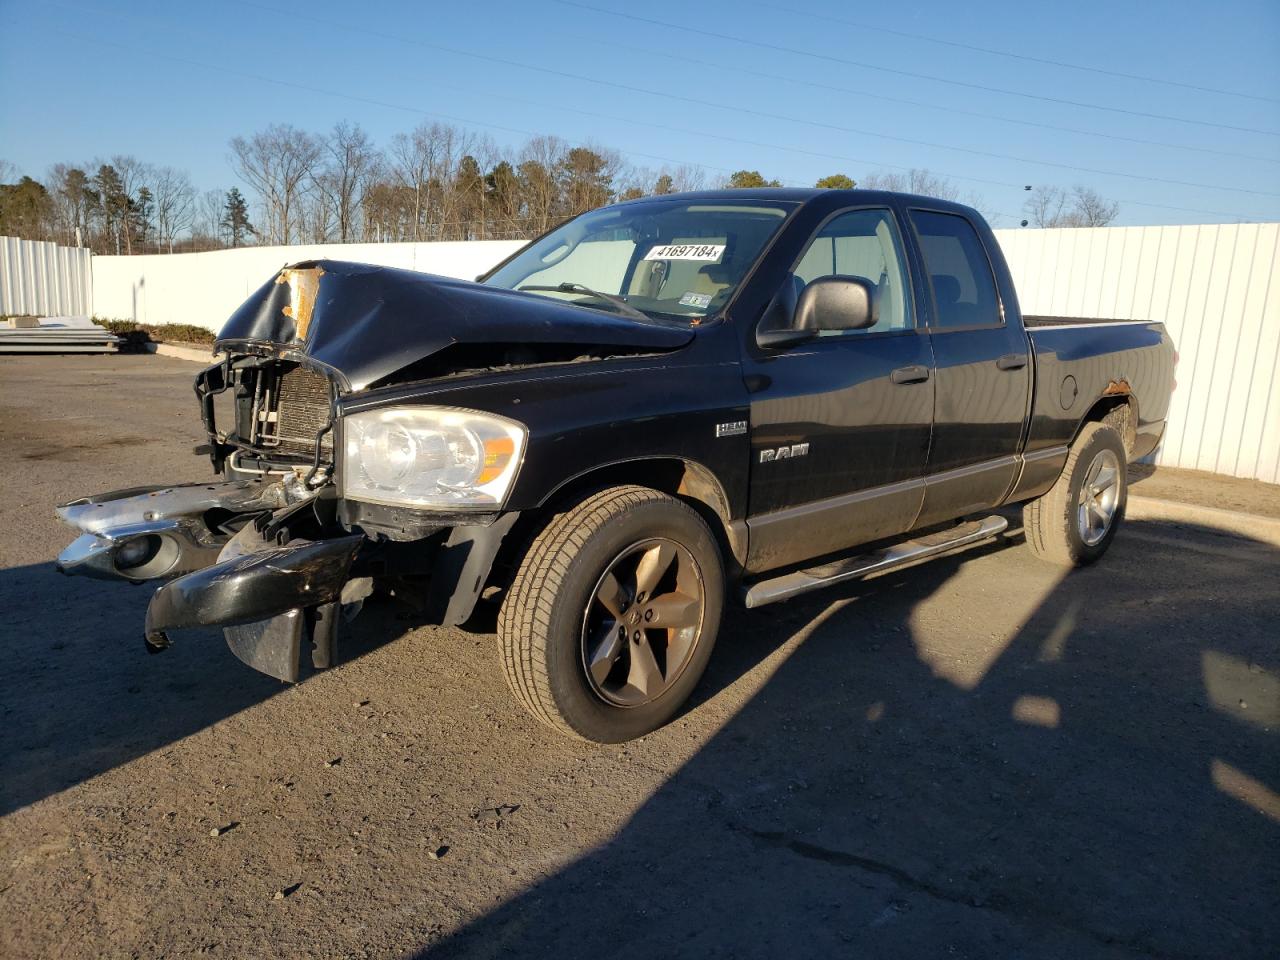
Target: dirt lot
<point>976,758</point>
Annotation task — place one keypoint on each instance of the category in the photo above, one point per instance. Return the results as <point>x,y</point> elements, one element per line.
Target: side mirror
<point>837,303</point>
<point>827,303</point>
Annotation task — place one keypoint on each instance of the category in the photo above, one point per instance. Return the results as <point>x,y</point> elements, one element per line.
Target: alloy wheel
<point>1099,497</point>
<point>643,622</point>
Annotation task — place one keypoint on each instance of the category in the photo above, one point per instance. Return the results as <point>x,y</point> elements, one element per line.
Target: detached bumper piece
<point>273,563</point>
<point>265,599</point>
<point>149,533</point>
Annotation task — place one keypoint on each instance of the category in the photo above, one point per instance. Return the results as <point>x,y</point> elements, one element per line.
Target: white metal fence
<point>44,279</point>
<point>206,288</point>
<point>1210,284</point>
<point>1214,288</point>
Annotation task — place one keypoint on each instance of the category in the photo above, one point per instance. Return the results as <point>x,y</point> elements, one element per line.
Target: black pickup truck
<point>651,409</point>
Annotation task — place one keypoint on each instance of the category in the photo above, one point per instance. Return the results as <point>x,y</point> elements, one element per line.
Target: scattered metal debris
<point>55,335</point>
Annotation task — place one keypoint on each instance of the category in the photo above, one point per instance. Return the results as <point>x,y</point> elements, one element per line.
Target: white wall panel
<point>206,288</point>
<point>1214,287</point>
<point>44,279</point>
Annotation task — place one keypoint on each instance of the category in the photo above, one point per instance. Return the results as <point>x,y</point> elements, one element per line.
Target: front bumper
<point>261,598</point>
<point>146,533</point>
<point>272,563</point>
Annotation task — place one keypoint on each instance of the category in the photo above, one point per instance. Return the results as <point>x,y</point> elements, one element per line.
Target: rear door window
<point>964,289</point>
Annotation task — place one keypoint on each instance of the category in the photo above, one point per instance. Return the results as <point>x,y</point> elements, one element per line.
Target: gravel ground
<point>1206,489</point>
<point>979,758</point>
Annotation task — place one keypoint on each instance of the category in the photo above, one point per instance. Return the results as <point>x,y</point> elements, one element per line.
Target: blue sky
<point>806,95</point>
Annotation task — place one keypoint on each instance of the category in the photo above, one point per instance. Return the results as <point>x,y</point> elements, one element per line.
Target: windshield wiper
<point>567,287</point>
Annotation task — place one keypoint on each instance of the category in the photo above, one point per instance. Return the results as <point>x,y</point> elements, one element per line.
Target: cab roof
<point>801,195</point>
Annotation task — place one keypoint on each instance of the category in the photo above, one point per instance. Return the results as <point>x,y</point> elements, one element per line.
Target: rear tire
<point>581,630</point>
<point>1074,523</point>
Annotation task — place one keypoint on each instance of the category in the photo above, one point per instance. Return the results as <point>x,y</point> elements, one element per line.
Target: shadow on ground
<point>79,695</point>
<point>1104,787</point>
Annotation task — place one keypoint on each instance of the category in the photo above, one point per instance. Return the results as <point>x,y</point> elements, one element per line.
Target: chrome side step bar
<point>851,568</point>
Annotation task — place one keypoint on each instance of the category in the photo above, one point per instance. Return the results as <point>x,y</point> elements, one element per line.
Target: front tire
<point>1074,523</point>
<point>612,615</point>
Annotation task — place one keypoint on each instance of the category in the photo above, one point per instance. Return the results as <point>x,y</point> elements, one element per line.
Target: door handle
<point>914,374</point>
<point>1012,361</point>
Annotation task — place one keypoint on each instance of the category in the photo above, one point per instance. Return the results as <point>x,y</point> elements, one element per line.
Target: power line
<point>1027,58</point>
<point>843,158</point>
<point>817,85</point>
<point>308,88</point>
<point>748,111</point>
<point>220,68</point>
<point>666,24</point>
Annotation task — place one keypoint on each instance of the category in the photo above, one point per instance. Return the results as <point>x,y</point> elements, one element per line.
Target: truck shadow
<point>1104,784</point>
<point>80,696</point>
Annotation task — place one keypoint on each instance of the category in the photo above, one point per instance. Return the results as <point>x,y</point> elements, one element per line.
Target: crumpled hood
<point>367,322</point>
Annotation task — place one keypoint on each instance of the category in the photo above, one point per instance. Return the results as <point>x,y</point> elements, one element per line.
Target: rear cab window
<point>960,276</point>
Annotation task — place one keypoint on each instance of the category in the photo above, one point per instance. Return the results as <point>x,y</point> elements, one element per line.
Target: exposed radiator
<point>303,410</point>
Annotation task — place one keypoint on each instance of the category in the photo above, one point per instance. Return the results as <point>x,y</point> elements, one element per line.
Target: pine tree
<point>113,203</point>
<point>141,209</point>
<point>751,179</point>
<point>235,218</point>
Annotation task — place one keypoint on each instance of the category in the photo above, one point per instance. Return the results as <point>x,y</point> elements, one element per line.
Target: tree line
<point>436,182</point>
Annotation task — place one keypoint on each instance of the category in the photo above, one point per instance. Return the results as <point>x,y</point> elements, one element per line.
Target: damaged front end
<point>261,557</point>
<point>321,498</point>
<point>274,554</point>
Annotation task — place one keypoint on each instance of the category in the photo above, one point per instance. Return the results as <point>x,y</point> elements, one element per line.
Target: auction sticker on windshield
<point>702,300</point>
<point>710,252</point>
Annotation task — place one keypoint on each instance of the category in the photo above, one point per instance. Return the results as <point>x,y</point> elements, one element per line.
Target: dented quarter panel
<point>1105,359</point>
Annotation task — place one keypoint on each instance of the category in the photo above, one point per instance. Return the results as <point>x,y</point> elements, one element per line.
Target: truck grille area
<point>302,412</point>
<point>286,408</point>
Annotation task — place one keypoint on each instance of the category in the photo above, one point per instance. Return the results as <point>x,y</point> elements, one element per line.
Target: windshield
<point>678,259</point>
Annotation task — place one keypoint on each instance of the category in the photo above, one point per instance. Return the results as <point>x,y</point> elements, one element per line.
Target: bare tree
<point>686,177</point>
<point>174,200</point>
<point>426,162</point>
<point>209,209</point>
<point>473,209</point>
<point>1050,206</point>
<point>278,163</point>
<point>636,182</point>
<point>1091,210</point>
<point>919,181</point>
<point>387,213</point>
<point>538,183</point>
<point>451,193</point>
<point>1046,206</point>
<point>410,164</point>
<point>350,164</point>
<point>69,187</point>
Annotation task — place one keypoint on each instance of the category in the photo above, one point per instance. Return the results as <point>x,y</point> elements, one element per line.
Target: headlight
<point>430,457</point>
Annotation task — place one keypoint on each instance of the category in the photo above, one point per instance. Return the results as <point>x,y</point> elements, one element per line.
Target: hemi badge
<point>733,429</point>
